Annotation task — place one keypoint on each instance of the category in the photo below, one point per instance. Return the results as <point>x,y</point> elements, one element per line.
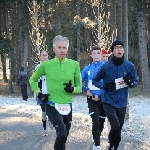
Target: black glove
<point>68,87</point>
<point>110,86</point>
<point>43,97</point>
<point>90,97</point>
<point>127,80</point>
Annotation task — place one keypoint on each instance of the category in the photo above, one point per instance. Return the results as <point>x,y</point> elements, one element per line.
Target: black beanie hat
<point>116,42</point>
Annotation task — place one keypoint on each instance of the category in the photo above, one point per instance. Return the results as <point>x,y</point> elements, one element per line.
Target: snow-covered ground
<point>137,127</point>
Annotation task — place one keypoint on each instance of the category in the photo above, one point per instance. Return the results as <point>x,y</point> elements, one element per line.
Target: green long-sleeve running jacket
<point>58,72</point>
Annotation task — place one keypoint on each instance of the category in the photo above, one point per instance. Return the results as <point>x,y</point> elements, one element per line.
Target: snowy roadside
<point>137,127</point>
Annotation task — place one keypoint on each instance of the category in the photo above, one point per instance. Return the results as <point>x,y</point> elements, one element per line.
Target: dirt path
<point>22,132</point>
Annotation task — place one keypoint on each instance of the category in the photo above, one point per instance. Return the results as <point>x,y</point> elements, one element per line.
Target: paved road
<point>23,132</point>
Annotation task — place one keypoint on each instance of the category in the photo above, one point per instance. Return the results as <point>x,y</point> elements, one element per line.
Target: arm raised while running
<point>84,79</point>
<point>35,76</point>
<point>98,77</point>
<point>77,80</point>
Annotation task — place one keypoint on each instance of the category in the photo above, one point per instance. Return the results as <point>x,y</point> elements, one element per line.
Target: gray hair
<point>60,38</point>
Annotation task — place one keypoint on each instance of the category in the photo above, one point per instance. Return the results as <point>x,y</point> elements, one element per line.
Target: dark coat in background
<point>23,80</point>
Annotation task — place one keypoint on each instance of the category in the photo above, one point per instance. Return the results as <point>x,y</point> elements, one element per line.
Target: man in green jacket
<point>63,78</point>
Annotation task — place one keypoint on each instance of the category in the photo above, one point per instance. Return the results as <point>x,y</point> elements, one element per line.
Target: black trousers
<point>24,91</point>
<point>97,114</point>
<point>116,118</point>
<point>62,124</point>
<point>43,108</point>
<point>97,127</point>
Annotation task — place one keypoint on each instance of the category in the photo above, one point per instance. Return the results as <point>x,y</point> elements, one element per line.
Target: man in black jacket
<point>23,80</point>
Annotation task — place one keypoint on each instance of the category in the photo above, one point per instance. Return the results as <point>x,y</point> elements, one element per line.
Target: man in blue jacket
<point>118,75</point>
<point>96,110</point>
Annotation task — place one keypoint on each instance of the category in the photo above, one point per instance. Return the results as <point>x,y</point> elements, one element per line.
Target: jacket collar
<point>100,62</point>
<point>58,60</point>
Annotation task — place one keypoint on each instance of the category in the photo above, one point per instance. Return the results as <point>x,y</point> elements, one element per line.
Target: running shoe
<point>97,148</point>
<point>108,148</point>
<point>44,133</point>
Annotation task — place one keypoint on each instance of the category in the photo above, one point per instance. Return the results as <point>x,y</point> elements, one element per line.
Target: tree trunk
<point>78,32</point>
<point>125,39</point>
<point>143,51</point>
<point>58,24</point>
<point>15,41</point>
<point>25,51</point>
<point>133,52</point>
<point>3,59</point>
<point>125,26</point>
<point>119,19</point>
<point>112,8</point>
<point>10,75</point>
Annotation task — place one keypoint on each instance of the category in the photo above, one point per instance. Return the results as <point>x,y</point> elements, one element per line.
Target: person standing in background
<point>23,81</point>
<point>104,55</point>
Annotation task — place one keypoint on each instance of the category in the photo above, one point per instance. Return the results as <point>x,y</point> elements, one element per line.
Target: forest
<point>28,26</point>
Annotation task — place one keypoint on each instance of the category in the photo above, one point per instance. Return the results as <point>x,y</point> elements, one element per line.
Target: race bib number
<point>63,109</point>
<point>120,83</point>
<point>91,86</point>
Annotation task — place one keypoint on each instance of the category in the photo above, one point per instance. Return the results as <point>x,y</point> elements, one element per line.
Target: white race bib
<point>120,83</point>
<point>63,109</point>
<point>44,86</point>
<point>91,86</point>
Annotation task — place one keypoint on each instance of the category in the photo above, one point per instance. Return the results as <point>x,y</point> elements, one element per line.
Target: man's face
<point>96,55</point>
<point>43,56</point>
<point>60,49</point>
<point>104,57</point>
<point>118,51</point>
